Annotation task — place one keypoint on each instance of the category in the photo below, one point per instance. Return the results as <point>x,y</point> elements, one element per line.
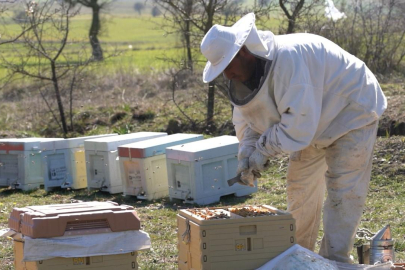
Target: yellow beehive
<point>106,262</point>
<point>232,238</point>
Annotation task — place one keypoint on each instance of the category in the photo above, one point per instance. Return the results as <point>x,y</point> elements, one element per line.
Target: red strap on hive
<point>11,147</point>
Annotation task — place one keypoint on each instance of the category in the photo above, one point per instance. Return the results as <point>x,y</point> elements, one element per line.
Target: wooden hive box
<point>143,165</point>
<point>55,220</point>
<point>232,241</point>
<point>73,221</point>
<point>126,261</point>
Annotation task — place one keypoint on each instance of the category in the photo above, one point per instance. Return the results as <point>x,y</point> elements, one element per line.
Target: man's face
<point>241,67</point>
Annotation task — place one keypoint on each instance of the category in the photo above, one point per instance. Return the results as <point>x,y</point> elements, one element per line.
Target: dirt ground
<point>392,121</point>
<point>389,157</point>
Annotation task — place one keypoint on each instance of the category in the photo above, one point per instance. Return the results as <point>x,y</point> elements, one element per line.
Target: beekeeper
<point>303,95</point>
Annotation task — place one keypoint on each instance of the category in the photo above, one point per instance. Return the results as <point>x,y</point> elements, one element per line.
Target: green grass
<point>386,198</point>
<point>158,218</point>
<point>129,40</point>
<point>139,39</point>
<point>140,32</point>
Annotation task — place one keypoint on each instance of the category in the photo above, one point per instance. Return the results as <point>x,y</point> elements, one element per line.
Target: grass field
<point>384,206</point>
<point>133,84</point>
<point>140,39</point>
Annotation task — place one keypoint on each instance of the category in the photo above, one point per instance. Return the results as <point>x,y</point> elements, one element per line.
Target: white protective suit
<point>321,105</point>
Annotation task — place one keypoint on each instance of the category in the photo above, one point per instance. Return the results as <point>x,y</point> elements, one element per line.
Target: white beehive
<point>65,164</point>
<point>21,162</point>
<point>102,164</point>
<point>143,165</point>
<point>198,171</point>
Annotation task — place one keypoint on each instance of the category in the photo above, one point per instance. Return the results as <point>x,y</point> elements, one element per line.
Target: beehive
<point>126,261</point>
<point>198,171</point>
<point>82,235</point>
<point>102,164</point>
<point>143,165</point>
<point>65,165</point>
<point>55,220</point>
<point>22,163</point>
<point>227,238</point>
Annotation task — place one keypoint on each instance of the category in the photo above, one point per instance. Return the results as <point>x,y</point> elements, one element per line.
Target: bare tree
<point>374,31</point>
<point>296,10</point>
<point>96,6</point>
<point>139,7</point>
<point>155,11</point>
<point>41,56</point>
<point>192,19</point>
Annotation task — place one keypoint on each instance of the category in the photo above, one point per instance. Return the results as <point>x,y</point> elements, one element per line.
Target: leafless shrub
<point>373,31</point>
<point>299,15</point>
<point>191,20</point>
<point>37,53</point>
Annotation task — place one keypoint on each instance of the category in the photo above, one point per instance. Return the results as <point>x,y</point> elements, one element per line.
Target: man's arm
<point>298,95</point>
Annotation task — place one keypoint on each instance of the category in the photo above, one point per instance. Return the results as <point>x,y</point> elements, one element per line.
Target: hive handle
<point>186,235</point>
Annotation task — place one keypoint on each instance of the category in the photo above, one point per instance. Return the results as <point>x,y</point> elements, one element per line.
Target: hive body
<point>198,171</point>
<point>241,243</point>
<point>143,165</point>
<point>102,164</point>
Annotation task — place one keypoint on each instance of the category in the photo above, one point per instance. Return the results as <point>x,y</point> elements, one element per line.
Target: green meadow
<point>131,83</point>
<point>127,42</point>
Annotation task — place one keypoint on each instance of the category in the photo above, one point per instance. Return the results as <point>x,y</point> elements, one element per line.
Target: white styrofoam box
<point>65,164</point>
<point>198,171</point>
<point>22,162</point>
<point>102,164</point>
<point>143,165</point>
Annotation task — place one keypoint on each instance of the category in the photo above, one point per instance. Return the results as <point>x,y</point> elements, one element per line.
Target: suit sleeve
<point>246,136</point>
<point>299,103</point>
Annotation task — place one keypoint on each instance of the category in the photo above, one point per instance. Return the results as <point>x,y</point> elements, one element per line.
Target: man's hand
<point>249,173</point>
<point>258,162</point>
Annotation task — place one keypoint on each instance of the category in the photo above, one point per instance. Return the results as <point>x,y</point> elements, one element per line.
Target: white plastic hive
<point>102,164</point>
<point>22,161</point>
<point>65,165</point>
<point>143,165</point>
<point>198,171</point>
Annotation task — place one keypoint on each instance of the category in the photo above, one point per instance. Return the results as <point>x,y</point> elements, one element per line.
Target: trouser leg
<point>306,192</point>
<point>349,161</point>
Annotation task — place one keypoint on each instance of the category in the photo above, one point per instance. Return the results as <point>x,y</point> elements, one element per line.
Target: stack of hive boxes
<point>240,238</point>
<point>68,223</point>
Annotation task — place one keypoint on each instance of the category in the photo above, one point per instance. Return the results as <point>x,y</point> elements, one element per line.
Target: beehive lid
<point>57,219</point>
<point>28,144</point>
<point>157,146</point>
<point>112,143</point>
<point>224,215</point>
<point>205,149</point>
<point>78,141</point>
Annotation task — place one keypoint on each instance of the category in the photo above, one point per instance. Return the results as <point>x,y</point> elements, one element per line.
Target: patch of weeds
<point>126,108</point>
<point>144,116</point>
<point>124,129</point>
<point>118,116</point>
